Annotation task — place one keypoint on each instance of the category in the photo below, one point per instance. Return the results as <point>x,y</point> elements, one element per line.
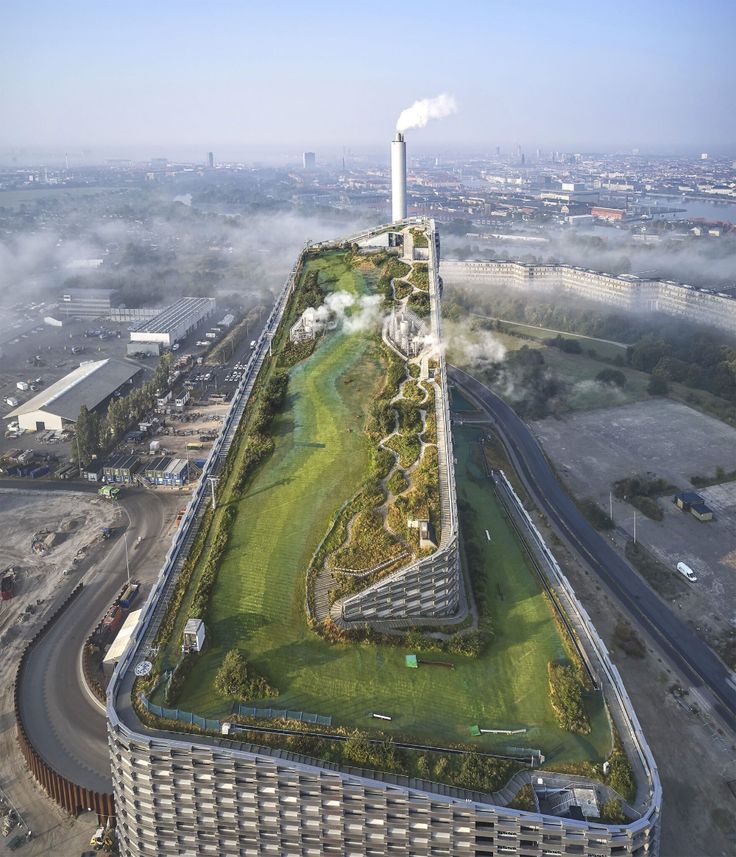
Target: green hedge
<point>566,697</point>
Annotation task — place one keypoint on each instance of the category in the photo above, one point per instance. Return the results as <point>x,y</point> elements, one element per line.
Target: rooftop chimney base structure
<point>398,178</point>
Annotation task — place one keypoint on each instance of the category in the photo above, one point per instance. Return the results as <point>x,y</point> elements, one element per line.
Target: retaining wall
<point>71,797</point>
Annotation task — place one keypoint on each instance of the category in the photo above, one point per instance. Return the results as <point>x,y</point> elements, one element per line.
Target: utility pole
<point>127,564</point>
<point>610,505</point>
<point>634,526</point>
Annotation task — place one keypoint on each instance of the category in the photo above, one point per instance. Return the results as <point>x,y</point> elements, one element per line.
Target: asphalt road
<point>687,651</point>
<point>64,724</point>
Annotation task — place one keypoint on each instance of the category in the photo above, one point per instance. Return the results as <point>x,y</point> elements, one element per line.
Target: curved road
<point>690,654</point>
<point>63,722</point>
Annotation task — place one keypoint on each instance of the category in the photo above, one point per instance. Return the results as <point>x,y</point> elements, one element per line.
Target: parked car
<point>686,572</point>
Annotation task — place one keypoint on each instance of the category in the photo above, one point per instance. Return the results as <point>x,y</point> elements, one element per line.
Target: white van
<point>686,572</point>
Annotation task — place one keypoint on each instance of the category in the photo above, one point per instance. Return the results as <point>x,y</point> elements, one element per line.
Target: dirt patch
<point>66,524</point>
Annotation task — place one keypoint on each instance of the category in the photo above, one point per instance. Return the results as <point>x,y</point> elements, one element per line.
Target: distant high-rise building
<point>498,151</point>
<point>703,156</point>
<point>523,159</point>
<point>211,160</point>
<point>309,160</point>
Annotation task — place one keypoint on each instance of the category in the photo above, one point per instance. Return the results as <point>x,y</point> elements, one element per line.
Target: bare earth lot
<point>79,517</point>
<point>592,450</point>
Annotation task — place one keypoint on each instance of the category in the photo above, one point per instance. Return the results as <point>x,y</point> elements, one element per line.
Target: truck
<point>129,595</point>
<point>109,492</point>
<point>12,401</point>
<point>23,385</point>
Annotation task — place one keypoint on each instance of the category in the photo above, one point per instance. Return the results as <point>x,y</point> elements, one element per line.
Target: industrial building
<point>175,322</point>
<point>87,303</point>
<point>215,792</point>
<point>92,384</point>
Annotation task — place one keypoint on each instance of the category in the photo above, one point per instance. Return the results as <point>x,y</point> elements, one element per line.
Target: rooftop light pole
<point>213,482</point>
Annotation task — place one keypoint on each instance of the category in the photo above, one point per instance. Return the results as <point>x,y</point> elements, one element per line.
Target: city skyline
<point>232,77</point>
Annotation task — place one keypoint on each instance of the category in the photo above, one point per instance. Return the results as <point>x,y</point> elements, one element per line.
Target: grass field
<point>604,347</point>
<point>258,600</point>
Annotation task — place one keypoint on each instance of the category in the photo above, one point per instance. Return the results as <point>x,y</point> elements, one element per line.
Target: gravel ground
<point>672,441</point>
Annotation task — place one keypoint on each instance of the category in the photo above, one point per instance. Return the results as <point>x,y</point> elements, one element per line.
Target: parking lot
<point>594,449</point>
<point>36,354</point>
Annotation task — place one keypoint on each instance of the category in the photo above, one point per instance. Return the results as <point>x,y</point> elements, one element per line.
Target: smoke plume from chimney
<point>422,111</point>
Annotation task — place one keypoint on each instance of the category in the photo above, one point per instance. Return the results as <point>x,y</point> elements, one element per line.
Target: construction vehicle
<point>106,532</point>
<point>103,839</point>
<point>110,492</point>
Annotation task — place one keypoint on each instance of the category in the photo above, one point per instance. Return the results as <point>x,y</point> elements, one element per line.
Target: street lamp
<point>127,564</point>
<point>213,482</point>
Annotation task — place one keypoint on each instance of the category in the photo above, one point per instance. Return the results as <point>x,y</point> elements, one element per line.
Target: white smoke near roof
<point>351,313</point>
<point>425,109</point>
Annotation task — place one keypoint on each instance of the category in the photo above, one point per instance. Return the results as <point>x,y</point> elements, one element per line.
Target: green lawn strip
<point>602,347</point>
<point>258,605</point>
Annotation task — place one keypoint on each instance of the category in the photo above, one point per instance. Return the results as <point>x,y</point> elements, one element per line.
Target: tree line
<point>97,433</point>
<point>667,348</point>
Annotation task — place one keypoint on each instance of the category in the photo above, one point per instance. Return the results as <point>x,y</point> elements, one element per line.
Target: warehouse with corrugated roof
<point>92,384</point>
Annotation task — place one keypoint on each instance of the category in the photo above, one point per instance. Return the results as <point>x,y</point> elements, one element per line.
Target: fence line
<point>240,710</point>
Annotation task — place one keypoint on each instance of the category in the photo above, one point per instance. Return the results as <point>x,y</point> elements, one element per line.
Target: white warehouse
<point>92,384</point>
<point>174,322</point>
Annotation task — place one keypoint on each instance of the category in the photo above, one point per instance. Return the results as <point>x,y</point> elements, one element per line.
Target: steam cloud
<point>473,349</point>
<point>422,111</point>
<point>351,313</point>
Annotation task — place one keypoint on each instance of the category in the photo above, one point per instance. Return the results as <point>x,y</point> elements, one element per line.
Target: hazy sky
<point>658,74</point>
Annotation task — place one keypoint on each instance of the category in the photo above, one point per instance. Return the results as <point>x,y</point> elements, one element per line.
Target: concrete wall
<point>180,797</point>
<point>188,794</point>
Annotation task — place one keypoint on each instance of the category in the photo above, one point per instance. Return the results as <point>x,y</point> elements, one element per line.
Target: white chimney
<point>398,178</point>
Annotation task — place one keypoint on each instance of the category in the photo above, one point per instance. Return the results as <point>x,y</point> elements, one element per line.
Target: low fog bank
<point>705,262</point>
<point>155,250</point>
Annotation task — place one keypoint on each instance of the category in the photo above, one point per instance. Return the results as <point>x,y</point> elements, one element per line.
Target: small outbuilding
<point>193,636</point>
<point>691,502</point>
<point>701,512</point>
